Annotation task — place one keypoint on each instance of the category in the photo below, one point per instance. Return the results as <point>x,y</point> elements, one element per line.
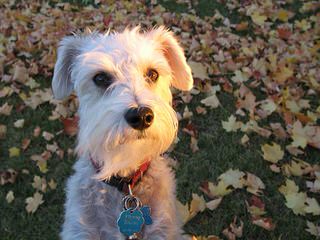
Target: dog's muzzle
<point>139,118</point>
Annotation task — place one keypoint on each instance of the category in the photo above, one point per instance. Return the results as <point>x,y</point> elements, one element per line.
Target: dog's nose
<point>139,118</point>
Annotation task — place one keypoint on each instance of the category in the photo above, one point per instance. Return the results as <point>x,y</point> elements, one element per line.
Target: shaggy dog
<point>122,187</point>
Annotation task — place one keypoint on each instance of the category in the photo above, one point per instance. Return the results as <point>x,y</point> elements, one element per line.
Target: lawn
<point>249,134</point>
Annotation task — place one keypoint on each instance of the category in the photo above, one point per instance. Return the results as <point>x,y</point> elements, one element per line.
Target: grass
<point>219,151</point>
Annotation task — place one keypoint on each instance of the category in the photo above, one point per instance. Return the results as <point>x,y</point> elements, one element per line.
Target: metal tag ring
<point>131,202</point>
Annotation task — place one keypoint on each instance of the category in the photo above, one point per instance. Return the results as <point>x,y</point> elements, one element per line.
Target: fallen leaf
<point>313,229</point>
<point>264,222</point>
<point>8,176</point>
<point>272,153</point>
<point>34,202</point>
<point>71,125</point>
<point>10,197</point>
<point>212,101</point>
<point>232,125</point>
<point>213,204</point>
<point>14,152</point>
<point>198,70</point>
<point>19,123</point>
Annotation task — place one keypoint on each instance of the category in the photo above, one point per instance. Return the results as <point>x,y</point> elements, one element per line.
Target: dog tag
<point>146,211</point>
<point>130,222</point>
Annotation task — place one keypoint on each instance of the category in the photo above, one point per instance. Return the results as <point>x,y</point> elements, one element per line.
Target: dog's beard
<point>118,148</point>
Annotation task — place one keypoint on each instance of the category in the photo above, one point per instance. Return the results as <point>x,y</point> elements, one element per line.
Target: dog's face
<point>123,84</point>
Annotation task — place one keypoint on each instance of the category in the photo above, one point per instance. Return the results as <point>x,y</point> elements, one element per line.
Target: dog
<point>126,123</point>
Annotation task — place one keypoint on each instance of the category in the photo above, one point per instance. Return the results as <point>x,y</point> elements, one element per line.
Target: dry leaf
<point>10,197</point>
<point>34,202</point>
<point>272,153</point>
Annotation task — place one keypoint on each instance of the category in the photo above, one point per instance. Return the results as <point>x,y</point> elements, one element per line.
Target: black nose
<point>139,118</point>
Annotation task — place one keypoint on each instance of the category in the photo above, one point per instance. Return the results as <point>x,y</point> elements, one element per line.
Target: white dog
<point>126,122</point>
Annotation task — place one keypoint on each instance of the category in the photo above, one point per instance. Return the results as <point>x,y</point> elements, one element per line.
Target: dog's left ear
<point>181,72</point>
<point>69,48</point>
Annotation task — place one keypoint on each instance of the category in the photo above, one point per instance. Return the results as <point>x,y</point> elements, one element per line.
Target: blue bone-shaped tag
<point>130,222</point>
<point>146,211</point>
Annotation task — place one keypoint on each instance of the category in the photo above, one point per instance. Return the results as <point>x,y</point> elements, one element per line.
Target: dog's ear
<point>69,48</point>
<point>181,72</point>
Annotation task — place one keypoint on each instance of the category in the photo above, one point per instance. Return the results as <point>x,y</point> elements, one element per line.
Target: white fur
<point>92,207</point>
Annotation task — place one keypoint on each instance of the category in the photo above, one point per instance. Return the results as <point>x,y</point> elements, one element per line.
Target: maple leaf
<point>212,101</point>
<point>213,204</point>
<point>313,229</point>
<point>198,70</point>
<point>219,190</point>
<point>231,125</point>
<point>283,15</point>
<point>254,184</point>
<point>312,206</point>
<point>258,18</point>
<point>14,152</point>
<point>52,184</point>
<point>19,123</point>
<point>289,187</point>
<point>197,205</point>
<point>240,77</point>
<point>272,153</point>
<point>283,75</point>
<point>34,202</point>
<point>296,202</point>
<point>233,178</point>
<point>39,183</point>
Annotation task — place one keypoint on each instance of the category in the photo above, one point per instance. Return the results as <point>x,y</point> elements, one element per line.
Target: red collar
<point>122,183</point>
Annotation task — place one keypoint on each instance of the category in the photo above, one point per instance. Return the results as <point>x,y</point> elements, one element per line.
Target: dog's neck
<point>127,173</point>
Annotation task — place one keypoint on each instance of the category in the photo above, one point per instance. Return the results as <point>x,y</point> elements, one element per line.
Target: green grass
<point>219,151</point>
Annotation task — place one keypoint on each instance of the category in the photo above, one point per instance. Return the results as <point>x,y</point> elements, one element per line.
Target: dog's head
<point>123,84</point>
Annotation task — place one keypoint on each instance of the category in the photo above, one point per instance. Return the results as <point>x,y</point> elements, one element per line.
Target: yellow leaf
<point>14,152</point>
<point>298,135</point>
<point>42,164</point>
<point>283,75</point>
<point>198,204</point>
<point>272,153</point>
<point>52,184</point>
<point>312,206</point>
<point>258,18</point>
<point>313,229</point>
<point>283,15</point>
<point>289,187</point>
<point>219,190</point>
<point>183,211</point>
<point>295,201</point>
<point>34,202</point>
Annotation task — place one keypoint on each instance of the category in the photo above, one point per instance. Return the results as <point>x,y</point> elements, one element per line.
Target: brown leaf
<point>8,176</point>
<point>71,125</point>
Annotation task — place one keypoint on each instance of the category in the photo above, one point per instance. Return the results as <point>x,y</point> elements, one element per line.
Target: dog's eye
<point>103,79</point>
<point>152,75</point>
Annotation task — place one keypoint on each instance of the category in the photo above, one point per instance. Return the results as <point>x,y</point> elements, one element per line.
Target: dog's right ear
<point>69,48</point>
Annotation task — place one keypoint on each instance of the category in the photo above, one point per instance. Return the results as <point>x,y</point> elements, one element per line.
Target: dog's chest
<point>103,204</point>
